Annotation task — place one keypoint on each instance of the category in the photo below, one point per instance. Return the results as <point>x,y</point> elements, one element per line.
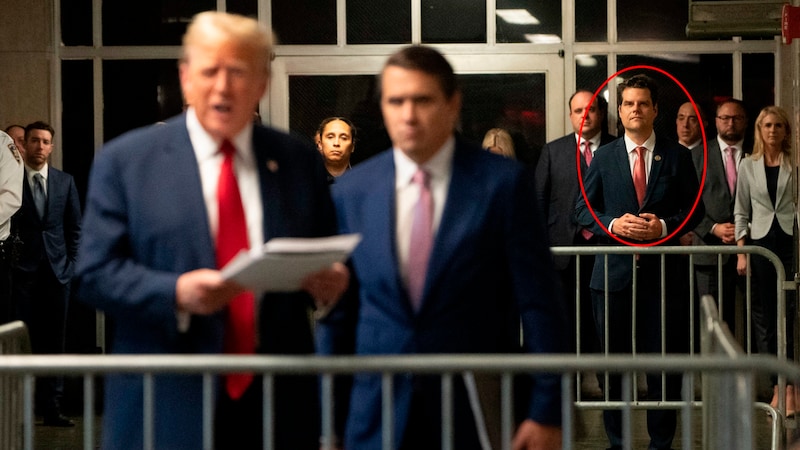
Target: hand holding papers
<point>282,264</point>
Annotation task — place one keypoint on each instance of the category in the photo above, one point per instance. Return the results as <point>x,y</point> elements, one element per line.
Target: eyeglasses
<point>734,118</point>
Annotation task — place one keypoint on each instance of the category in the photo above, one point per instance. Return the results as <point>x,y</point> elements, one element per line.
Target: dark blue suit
<point>43,274</point>
<point>489,265</point>
<point>672,189</point>
<point>146,224</point>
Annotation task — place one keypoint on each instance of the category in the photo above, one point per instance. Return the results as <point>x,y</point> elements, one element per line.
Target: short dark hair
<point>39,125</point>
<point>639,81</point>
<point>602,103</point>
<point>427,60</point>
<point>734,101</point>
<point>328,120</point>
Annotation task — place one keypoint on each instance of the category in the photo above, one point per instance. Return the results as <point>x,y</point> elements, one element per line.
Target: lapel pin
<point>272,165</point>
<point>657,157</point>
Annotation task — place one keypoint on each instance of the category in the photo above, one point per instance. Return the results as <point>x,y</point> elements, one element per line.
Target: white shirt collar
<point>205,146</point>
<point>723,145</point>
<point>439,166</point>
<point>649,144</point>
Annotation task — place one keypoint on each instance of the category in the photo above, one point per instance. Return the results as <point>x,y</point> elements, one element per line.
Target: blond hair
<point>213,26</point>
<point>758,144</point>
<point>501,140</point>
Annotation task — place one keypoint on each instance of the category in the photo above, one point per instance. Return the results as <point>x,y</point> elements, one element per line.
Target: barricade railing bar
<point>150,366</point>
<point>13,340</point>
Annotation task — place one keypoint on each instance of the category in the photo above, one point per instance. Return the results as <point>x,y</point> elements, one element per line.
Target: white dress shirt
<point>649,145</point>
<point>209,160</point>
<point>737,153</point>
<point>594,142</point>
<point>440,169</point>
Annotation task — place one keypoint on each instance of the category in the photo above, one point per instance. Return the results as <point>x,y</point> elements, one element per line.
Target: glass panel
<point>139,93</point>
<point>150,22</point>
<point>758,82</point>
<point>515,102</point>
<point>313,98</point>
<point>665,20</point>
<point>453,21</point>
<point>304,21</point>
<point>591,71</point>
<point>706,77</point>
<point>77,121</point>
<point>76,22</point>
<point>383,22</point>
<point>591,20</point>
<point>243,7</point>
<point>524,21</point>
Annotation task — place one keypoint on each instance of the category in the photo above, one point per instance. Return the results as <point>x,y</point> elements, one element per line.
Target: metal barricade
<point>13,341</point>
<point>727,427</point>
<point>601,254</point>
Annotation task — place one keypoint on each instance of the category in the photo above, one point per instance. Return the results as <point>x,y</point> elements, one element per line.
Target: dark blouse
<point>772,182</point>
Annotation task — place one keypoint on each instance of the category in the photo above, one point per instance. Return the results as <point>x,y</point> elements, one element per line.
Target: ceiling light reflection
<point>518,16</point>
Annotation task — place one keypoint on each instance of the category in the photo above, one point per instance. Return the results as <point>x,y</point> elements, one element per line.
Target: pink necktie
<point>587,156</point>
<point>421,239</point>
<point>640,175</point>
<point>231,238</point>
<point>587,153</point>
<point>730,170</point>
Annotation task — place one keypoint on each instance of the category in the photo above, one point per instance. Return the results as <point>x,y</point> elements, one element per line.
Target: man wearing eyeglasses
<point>725,152</point>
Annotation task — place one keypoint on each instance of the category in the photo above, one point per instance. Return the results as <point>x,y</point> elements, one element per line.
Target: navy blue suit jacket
<point>146,224</point>
<point>489,265</point>
<point>54,238</point>
<point>672,189</point>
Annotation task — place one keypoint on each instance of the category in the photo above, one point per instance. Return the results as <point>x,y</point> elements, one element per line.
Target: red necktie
<point>587,153</point>
<point>421,239</point>
<point>231,238</point>
<point>730,169</point>
<point>640,175</point>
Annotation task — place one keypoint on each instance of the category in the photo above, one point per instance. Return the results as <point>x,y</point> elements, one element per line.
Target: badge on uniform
<point>14,151</point>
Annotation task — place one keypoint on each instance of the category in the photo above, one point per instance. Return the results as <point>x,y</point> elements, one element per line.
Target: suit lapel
<point>659,159</point>
<point>783,181</point>
<point>624,173</point>
<point>268,180</point>
<point>180,163</point>
<point>457,218</point>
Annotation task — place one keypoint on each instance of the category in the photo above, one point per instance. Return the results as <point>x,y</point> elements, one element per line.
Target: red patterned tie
<point>231,238</point>
<point>421,239</point>
<point>640,175</point>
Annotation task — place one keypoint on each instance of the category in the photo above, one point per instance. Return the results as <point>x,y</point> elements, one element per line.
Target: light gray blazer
<point>754,212</point>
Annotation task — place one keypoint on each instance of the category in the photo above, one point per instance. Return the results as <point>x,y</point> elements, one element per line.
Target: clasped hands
<point>204,291</point>
<point>644,227</point>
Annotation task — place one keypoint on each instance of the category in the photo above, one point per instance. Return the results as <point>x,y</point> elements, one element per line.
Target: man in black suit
<point>49,224</point>
<point>557,190</point>
<point>719,195</point>
<point>642,192</point>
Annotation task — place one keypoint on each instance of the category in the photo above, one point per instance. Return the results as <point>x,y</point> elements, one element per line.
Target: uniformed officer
<point>11,175</point>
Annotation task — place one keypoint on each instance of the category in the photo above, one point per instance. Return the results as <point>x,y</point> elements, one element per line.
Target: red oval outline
<point>705,159</point>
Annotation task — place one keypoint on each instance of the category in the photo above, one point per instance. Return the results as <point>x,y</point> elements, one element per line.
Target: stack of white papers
<point>282,263</point>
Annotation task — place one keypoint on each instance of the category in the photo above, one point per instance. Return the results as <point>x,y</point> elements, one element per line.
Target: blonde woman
<point>497,140</point>
<point>764,214</point>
